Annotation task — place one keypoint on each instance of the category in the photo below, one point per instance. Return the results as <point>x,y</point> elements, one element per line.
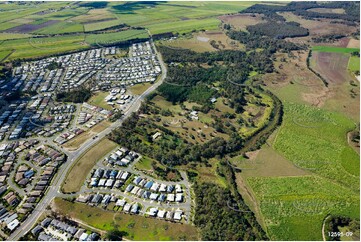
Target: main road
<point>54,189</point>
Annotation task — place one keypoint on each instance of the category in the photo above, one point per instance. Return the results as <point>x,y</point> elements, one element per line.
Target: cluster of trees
<point>218,221</point>
<point>76,96</point>
<point>268,44</point>
<point>53,65</point>
<point>330,38</point>
<point>279,30</point>
<point>334,222</point>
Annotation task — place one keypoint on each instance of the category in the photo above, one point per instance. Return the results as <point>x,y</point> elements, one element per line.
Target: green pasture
<point>108,38</point>
<point>315,140</point>
<point>294,207</point>
<point>38,47</point>
<point>334,49</point>
<point>61,27</point>
<point>354,63</point>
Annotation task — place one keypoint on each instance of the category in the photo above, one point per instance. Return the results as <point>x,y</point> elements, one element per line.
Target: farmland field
<point>331,65</point>
<point>37,47</point>
<point>333,49</point>
<point>294,207</point>
<point>109,38</point>
<point>354,63</point>
<point>81,168</point>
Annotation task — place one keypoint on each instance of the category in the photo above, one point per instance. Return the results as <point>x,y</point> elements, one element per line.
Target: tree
<point>115,235</point>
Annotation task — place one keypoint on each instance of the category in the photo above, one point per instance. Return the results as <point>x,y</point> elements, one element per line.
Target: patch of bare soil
<point>241,21</point>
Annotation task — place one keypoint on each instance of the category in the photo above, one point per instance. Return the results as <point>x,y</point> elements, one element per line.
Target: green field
<point>62,27</point>
<point>334,49</point>
<point>101,25</point>
<point>293,207</point>
<point>316,139</point>
<point>4,54</point>
<point>38,47</point>
<point>98,100</point>
<point>354,63</point>
<point>109,38</point>
<point>81,168</point>
<point>137,226</point>
<point>7,36</point>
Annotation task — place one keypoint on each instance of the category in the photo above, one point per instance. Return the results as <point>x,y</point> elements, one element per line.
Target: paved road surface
<point>54,190</point>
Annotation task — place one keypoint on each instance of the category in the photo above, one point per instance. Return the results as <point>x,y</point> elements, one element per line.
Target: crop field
<point>101,25</point>
<point>315,140</point>
<point>333,49</point>
<point>136,227</point>
<point>7,36</point>
<point>331,65</point>
<point>62,27</point>
<point>294,207</point>
<point>109,38</point>
<point>184,26</point>
<point>4,54</point>
<point>354,63</point>
<point>38,47</point>
<point>81,168</point>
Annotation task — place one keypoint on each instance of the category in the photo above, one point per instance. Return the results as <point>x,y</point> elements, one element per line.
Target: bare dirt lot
<point>353,43</point>
<point>332,66</point>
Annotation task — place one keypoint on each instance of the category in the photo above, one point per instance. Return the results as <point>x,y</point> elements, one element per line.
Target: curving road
<point>54,189</point>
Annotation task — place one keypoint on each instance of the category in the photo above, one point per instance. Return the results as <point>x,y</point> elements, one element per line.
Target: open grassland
<point>137,227</point>
<point>334,49</point>
<point>76,142</point>
<point>354,63</point>
<point>200,42</point>
<point>138,89</point>
<point>81,168</point>
<point>39,47</point>
<point>98,100</point>
<point>109,38</point>
<point>241,21</point>
<point>294,207</point>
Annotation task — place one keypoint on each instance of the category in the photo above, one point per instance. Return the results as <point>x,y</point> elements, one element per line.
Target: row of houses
<point>121,157</point>
<point>52,229</point>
